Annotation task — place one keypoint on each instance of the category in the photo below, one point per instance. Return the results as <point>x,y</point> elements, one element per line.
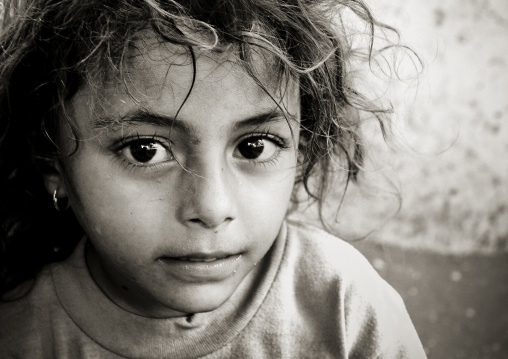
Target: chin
<point>193,306</point>
<point>201,300</point>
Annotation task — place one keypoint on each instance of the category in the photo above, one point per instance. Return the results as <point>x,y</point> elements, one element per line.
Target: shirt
<point>317,297</point>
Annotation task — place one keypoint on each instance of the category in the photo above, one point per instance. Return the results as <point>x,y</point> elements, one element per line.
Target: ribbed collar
<point>134,336</point>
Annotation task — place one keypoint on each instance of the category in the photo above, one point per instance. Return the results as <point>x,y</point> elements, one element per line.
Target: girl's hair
<point>52,48</point>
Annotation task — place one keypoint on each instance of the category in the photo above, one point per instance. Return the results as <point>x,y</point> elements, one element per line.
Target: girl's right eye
<point>145,152</point>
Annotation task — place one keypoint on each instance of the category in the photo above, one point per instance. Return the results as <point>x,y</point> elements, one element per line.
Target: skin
<point>198,197</point>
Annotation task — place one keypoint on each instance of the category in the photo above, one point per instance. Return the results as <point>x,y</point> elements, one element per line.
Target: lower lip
<point>216,270</point>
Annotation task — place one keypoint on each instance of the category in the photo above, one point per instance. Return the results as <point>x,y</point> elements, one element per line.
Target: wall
<point>448,157</point>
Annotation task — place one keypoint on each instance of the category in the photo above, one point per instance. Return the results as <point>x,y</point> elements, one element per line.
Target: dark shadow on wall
<point>458,304</point>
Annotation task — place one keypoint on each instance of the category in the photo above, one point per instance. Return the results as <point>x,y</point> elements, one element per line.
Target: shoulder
<point>25,314</point>
<point>37,324</point>
<point>320,252</point>
<point>332,275</point>
<point>34,324</point>
<point>329,263</point>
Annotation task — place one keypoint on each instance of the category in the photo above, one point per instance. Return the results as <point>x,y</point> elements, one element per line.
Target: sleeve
<point>376,320</point>
<point>344,302</point>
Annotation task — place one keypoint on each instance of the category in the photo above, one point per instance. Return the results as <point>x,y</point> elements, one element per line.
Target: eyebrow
<point>143,116</point>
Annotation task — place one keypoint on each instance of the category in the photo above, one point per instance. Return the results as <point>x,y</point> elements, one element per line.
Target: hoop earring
<point>57,206</point>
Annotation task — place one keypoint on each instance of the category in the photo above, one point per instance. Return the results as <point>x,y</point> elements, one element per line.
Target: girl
<point>169,136</point>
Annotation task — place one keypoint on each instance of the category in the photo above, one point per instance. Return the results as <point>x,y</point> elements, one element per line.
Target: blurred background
<point>446,248</point>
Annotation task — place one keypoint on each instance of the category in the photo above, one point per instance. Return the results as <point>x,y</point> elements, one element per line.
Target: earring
<point>57,206</point>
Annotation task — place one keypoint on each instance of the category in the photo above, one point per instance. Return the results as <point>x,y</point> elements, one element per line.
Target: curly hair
<point>51,48</point>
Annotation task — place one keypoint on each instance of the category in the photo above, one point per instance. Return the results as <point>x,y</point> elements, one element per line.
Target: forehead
<point>166,75</point>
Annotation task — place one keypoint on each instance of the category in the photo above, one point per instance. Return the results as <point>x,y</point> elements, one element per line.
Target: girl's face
<point>181,203</point>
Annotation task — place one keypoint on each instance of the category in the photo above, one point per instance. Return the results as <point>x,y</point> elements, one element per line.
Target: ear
<point>54,181</point>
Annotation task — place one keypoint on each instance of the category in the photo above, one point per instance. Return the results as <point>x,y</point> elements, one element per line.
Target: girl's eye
<point>257,148</point>
<point>146,152</point>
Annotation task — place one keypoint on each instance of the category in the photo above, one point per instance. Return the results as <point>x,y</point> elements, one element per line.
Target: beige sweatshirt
<point>317,298</point>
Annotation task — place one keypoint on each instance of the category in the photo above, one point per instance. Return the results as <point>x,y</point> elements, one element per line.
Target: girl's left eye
<point>145,152</point>
<point>258,149</point>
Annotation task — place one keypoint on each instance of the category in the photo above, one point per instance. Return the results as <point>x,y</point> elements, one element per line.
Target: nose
<point>209,197</point>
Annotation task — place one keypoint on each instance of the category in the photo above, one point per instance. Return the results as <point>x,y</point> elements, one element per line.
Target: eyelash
<point>281,143</point>
<point>124,142</point>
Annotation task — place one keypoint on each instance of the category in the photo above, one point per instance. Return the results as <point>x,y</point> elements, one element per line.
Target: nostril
<point>211,223</point>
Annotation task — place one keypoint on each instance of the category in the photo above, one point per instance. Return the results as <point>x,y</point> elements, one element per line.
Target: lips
<point>191,259</point>
<point>202,257</point>
<point>201,267</point>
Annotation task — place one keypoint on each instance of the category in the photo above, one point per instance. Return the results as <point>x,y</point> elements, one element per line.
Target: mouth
<point>199,259</point>
<point>202,267</point>
<point>205,258</point>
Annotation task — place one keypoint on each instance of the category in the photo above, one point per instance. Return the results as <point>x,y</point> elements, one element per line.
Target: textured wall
<point>449,153</point>
<point>458,200</point>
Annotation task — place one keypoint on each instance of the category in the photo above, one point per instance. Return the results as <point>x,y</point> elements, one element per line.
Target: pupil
<point>143,152</point>
<point>251,149</point>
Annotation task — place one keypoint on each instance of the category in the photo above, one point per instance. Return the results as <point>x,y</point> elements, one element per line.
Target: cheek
<point>109,206</point>
<point>267,201</point>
